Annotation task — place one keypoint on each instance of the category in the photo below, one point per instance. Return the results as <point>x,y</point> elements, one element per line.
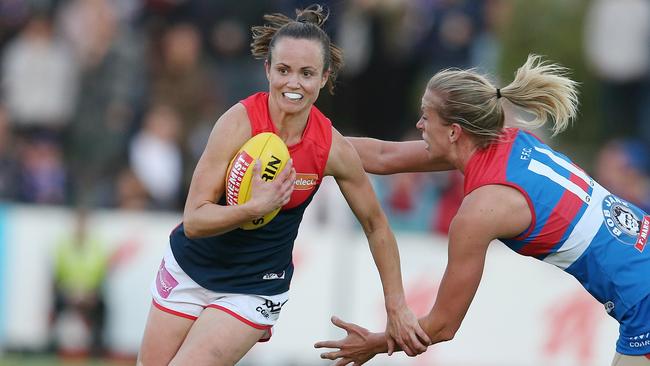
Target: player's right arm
<point>390,157</point>
<point>203,216</point>
<point>487,213</point>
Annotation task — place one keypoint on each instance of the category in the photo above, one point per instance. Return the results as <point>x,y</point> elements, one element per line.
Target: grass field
<point>15,360</point>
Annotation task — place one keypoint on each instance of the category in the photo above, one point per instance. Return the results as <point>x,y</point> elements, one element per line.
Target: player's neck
<point>462,152</point>
<point>290,127</point>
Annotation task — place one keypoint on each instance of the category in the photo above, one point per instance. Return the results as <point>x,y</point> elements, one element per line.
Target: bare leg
<point>162,338</point>
<point>216,339</point>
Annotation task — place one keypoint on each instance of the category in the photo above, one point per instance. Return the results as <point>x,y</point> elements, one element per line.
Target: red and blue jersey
<point>577,225</point>
<point>260,261</point>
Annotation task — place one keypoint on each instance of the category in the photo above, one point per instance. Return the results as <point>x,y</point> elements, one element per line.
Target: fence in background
<point>525,313</point>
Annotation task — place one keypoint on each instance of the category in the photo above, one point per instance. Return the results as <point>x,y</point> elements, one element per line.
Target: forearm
<point>370,152</point>
<point>390,157</point>
<point>213,219</point>
<point>386,256</point>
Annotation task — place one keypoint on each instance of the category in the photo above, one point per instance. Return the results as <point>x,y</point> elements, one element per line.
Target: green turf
<point>54,361</point>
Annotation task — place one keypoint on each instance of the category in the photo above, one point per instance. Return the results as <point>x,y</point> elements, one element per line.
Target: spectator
<point>182,81</point>
<point>110,59</point>
<point>40,80</point>
<point>156,159</point>
<point>622,167</point>
<point>8,164</point>
<point>129,192</point>
<point>617,47</point>
<point>80,267</point>
<point>43,175</point>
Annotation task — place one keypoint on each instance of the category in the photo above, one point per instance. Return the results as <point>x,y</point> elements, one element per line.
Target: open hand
<point>357,348</point>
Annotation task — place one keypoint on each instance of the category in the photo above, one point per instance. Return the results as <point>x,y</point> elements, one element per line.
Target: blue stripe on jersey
<point>517,172</point>
<point>546,199</point>
<point>243,261</point>
<point>543,192</point>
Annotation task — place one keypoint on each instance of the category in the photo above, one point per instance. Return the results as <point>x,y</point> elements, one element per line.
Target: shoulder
<point>341,147</point>
<point>342,156</point>
<point>235,120</point>
<point>498,210</point>
<point>230,131</point>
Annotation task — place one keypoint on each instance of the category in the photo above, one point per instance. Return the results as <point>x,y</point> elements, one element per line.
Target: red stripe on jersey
<point>309,155</point>
<point>556,225</point>
<point>579,182</point>
<point>481,168</point>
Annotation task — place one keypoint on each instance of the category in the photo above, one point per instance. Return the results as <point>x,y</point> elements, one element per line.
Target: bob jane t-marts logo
<point>627,223</point>
<point>305,181</point>
<point>239,167</point>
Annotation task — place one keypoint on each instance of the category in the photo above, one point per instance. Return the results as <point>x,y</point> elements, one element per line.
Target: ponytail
<point>471,100</point>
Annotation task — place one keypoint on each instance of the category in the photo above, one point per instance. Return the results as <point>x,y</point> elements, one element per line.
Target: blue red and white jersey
<point>577,225</point>
<point>260,261</point>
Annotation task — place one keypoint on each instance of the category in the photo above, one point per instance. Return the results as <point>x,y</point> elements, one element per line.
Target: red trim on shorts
<point>241,318</point>
<point>173,312</point>
<point>270,333</point>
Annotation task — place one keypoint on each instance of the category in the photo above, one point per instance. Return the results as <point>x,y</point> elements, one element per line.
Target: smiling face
<point>295,74</point>
<point>435,131</point>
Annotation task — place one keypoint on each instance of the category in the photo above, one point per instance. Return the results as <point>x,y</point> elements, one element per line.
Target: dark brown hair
<point>307,25</point>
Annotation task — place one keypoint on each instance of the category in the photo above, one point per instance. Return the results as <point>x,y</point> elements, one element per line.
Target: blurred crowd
<point>110,102</point>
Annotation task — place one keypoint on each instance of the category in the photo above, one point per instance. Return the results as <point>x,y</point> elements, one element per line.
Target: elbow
<point>190,231</point>
<point>374,223</point>
<point>446,335</point>
<point>190,227</point>
<point>439,330</point>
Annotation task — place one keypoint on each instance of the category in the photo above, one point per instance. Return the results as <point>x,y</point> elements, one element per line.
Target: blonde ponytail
<point>544,90</point>
<point>471,100</point>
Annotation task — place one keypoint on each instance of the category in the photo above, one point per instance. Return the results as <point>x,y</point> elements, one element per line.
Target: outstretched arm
<point>344,164</point>
<point>487,213</point>
<point>390,157</point>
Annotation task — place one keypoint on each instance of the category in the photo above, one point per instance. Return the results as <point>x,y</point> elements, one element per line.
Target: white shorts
<point>176,293</point>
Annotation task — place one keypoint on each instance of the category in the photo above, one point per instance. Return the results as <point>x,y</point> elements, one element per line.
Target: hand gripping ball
<point>273,156</point>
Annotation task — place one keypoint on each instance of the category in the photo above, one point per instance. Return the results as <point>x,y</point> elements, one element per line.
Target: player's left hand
<point>404,330</point>
<point>357,348</point>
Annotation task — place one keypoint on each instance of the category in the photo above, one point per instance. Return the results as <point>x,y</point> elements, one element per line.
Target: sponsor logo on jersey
<point>609,306</point>
<point>626,222</point>
<point>642,239</point>
<point>240,165</point>
<point>305,181</point>
<point>641,340</point>
<point>274,276</point>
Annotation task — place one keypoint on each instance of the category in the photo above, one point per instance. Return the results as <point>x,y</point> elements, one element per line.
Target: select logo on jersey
<point>305,181</point>
<point>626,222</point>
<point>240,165</point>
